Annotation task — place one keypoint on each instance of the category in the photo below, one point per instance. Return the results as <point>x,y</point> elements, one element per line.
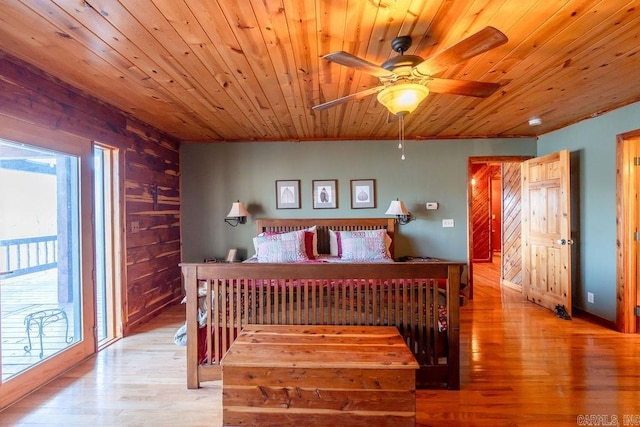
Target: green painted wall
<point>215,175</point>
<point>593,145</point>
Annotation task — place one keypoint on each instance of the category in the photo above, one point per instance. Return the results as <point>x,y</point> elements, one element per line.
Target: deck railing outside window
<point>28,255</point>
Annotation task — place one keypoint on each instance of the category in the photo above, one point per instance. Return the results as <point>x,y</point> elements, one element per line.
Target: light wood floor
<point>520,365</point>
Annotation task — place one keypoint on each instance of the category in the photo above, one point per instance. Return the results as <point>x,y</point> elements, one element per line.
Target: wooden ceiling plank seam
<point>575,109</point>
<point>247,32</point>
<point>167,41</point>
<point>531,85</point>
<point>299,17</point>
<point>423,14</point>
<point>355,29</point>
<point>170,94</point>
<point>309,61</point>
<point>559,16</point>
<point>445,30</point>
<point>277,33</point>
<point>80,77</point>
<point>192,28</point>
<point>458,102</point>
<point>597,82</point>
<point>322,70</point>
<point>331,36</point>
<point>351,36</point>
<point>481,14</point>
<point>356,81</point>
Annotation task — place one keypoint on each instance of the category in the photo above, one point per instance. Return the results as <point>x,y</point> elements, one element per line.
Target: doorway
<point>493,198</point>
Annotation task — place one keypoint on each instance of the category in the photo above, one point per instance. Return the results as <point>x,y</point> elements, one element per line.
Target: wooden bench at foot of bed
<point>303,375</point>
<point>409,296</point>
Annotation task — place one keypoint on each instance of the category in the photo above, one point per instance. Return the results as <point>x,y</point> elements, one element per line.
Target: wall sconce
<point>237,215</point>
<point>397,208</point>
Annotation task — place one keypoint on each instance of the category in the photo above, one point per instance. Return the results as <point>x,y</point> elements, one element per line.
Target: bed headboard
<point>324,224</point>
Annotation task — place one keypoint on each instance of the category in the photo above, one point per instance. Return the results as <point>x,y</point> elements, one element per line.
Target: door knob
<point>563,242</point>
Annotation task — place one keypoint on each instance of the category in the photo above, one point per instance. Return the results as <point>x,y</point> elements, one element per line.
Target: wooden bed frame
<point>406,295</point>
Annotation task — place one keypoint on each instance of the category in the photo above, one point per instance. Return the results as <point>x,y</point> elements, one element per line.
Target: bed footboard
<point>420,299</point>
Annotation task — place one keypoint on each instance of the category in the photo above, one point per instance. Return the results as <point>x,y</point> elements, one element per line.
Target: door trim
<point>20,132</point>
<point>627,144</point>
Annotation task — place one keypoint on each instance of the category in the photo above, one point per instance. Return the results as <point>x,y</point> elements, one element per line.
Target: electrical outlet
<point>590,297</point>
<point>447,223</point>
<point>135,227</point>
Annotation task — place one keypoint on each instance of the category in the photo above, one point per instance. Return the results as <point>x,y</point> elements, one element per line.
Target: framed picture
<point>288,194</point>
<point>363,193</point>
<point>325,195</point>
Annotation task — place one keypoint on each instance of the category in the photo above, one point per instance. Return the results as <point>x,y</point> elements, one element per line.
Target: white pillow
<point>333,243</point>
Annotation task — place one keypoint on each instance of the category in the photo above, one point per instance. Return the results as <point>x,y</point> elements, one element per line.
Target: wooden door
<point>546,230</point>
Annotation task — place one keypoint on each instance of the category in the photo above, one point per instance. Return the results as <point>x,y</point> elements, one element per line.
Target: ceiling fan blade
<point>357,95</point>
<point>480,42</point>
<point>462,87</point>
<point>345,58</point>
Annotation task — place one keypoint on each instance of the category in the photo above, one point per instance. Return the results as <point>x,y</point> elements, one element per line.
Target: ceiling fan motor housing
<point>402,65</point>
<point>401,44</point>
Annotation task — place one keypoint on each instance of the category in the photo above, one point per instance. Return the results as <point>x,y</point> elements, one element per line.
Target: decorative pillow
<point>336,250</point>
<point>310,241</point>
<point>281,247</point>
<point>364,245</point>
<point>314,243</point>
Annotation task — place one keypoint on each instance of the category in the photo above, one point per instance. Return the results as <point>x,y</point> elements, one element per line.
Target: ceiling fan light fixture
<point>403,98</point>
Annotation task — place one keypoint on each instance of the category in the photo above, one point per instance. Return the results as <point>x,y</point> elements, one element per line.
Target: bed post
<point>191,290</point>
<point>453,301</point>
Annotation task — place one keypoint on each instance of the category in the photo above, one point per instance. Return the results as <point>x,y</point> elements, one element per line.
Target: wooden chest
<point>277,375</point>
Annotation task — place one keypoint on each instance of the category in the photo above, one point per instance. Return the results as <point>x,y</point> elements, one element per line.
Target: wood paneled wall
<point>153,278</point>
<point>481,212</point>
<point>511,220</point>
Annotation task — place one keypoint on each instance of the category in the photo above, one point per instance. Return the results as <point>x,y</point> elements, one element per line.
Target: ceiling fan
<point>406,80</point>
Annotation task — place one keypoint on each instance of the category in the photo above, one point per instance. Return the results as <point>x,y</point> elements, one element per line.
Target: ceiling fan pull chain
<point>401,134</point>
<point>400,127</point>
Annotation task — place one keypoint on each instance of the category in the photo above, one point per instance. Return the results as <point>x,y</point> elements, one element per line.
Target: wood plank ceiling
<point>240,70</point>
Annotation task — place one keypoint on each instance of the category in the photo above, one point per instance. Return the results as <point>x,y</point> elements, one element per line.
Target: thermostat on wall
<point>432,206</point>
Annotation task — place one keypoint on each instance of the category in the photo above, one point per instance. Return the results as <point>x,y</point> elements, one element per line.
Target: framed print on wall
<point>363,193</point>
<point>288,194</point>
<point>325,194</point>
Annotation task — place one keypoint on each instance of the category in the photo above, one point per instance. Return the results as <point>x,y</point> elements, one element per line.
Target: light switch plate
<point>432,206</point>
<point>447,223</point>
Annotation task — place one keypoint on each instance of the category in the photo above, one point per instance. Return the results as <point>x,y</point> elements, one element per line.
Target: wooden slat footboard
<point>420,299</point>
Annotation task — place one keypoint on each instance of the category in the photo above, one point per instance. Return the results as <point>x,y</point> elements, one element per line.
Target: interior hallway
<point>520,365</point>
